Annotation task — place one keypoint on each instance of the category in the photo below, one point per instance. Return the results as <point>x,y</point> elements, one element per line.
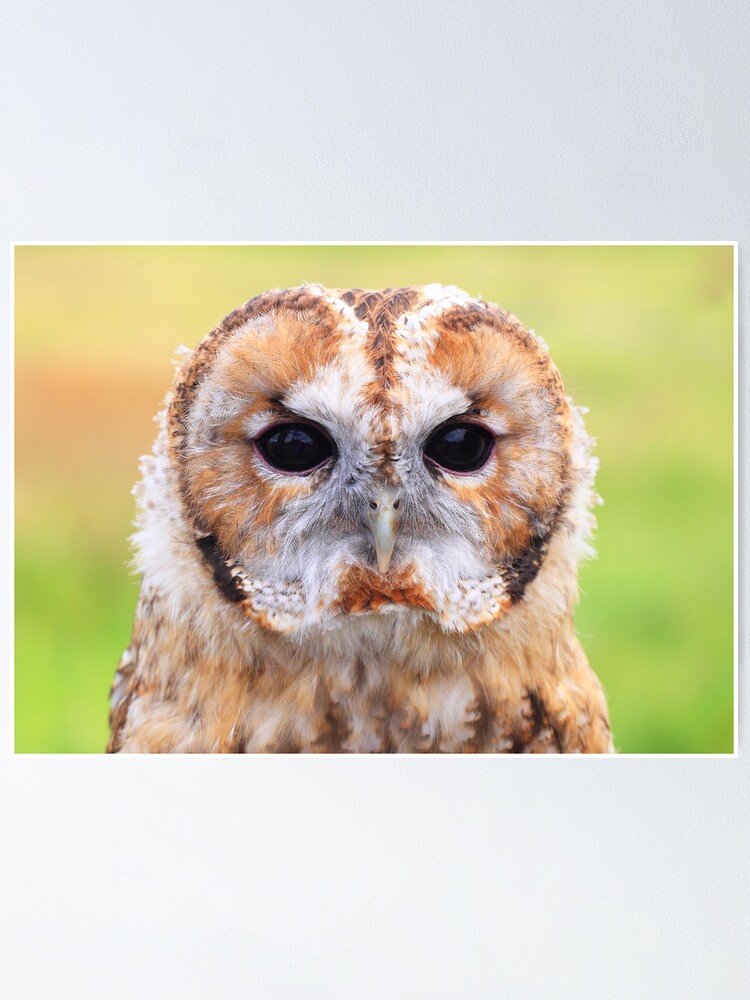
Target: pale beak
<point>382,520</point>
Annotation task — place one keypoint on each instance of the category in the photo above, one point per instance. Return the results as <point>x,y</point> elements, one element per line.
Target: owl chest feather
<point>176,693</point>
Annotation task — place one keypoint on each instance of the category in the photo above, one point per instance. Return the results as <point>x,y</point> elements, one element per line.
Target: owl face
<point>347,455</point>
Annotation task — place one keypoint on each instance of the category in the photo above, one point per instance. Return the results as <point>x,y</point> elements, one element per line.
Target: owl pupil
<point>295,447</point>
<point>460,447</point>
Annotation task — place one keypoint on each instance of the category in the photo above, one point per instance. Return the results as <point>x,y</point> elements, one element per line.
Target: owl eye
<point>295,448</point>
<point>461,448</point>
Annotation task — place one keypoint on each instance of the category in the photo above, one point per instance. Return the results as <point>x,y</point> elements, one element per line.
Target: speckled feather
<point>264,623</point>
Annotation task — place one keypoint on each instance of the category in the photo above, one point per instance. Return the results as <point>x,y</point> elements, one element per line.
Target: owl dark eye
<point>460,447</point>
<point>295,448</point>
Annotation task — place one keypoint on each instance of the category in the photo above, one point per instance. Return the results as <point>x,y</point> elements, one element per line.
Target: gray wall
<point>371,877</point>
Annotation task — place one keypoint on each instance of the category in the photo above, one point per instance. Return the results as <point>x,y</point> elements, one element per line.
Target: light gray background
<point>295,878</point>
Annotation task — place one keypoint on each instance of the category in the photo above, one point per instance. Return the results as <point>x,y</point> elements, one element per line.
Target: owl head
<point>350,455</point>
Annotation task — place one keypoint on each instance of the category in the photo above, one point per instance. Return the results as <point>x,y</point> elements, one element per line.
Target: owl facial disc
<point>439,421</point>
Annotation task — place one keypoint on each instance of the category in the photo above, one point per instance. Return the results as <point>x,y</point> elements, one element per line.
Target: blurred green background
<point>642,335</point>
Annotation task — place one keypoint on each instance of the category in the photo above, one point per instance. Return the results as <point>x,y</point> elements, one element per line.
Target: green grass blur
<point>642,335</point>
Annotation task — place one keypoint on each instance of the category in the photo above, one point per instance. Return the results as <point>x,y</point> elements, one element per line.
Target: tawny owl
<point>359,530</point>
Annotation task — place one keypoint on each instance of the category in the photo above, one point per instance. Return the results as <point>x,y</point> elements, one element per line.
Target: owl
<point>359,531</point>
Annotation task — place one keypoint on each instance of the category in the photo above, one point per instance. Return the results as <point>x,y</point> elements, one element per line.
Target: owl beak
<point>382,520</point>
